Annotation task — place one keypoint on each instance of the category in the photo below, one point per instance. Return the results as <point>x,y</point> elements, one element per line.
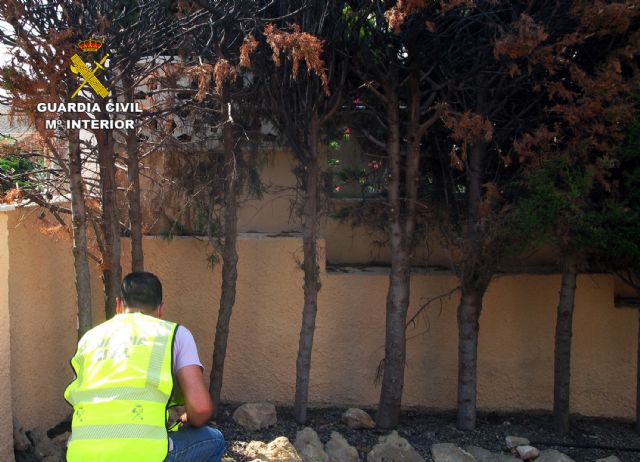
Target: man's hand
<point>196,396</point>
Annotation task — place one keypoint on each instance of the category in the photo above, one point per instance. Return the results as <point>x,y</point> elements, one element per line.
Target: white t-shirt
<point>185,353</point>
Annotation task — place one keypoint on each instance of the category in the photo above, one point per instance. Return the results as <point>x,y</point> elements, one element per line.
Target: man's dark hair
<point>141,290</point>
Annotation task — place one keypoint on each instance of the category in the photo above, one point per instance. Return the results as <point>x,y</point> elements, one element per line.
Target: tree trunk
<point>133,190</point>
<point>468,327</point>
<point>474,281</point>
<point>111,269</point>
<point>311,272</point>
<point>389,406</point>
<point>230,254</point>
<point>638,379</point>
<point>562,357</point>
<point>79,225</point>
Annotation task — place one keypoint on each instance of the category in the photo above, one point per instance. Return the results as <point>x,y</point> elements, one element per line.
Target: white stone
<point>527,452</point>
<point>515,441</point>
<point>484,455</point>
<point>256,416</point>
<point>339,450</point>
<point>481,454</point>
<point>448,452</point>
<point>551,455</point>
<point>254,448</point>
<point>393,448</point>
<point>357,418</point>
<point>309,446</point>
<point>279,450</point>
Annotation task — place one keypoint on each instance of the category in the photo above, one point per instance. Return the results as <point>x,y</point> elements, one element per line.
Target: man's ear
<point>160,310</point>
<point>119,307</point>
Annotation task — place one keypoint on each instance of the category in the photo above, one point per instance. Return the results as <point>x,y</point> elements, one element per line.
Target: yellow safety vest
<point>122,390</point>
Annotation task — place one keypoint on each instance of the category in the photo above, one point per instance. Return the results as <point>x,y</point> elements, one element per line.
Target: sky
<point>4,57</point>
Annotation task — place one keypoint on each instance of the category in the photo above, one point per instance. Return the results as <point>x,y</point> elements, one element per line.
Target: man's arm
<point>196,396</point>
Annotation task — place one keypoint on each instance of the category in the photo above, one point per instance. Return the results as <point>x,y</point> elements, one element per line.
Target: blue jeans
<point>204,444</point>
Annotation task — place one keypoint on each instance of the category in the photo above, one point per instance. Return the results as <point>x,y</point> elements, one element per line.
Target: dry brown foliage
<point>12,196</point>
<point>223,71</point>
<point>532,146</point>
<point>447,5</point>
<point>298,46</point>
<point>527,37</point>
<point>246,49</point>
<point>203,74</point>
<point>57,232</point>
<point>398,14</point>
<point>591,105</point>
<point>602,18</point>
<point>93,206</point>
<point>40,65</point>
<point>466,128</point>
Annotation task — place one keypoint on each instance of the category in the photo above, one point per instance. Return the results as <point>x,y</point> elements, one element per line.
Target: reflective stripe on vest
<point>122,388</point>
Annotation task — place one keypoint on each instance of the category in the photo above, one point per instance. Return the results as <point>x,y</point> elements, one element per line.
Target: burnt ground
<point>590,438</point>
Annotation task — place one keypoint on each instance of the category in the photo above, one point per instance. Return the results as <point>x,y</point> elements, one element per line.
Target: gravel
<point>589,439</point>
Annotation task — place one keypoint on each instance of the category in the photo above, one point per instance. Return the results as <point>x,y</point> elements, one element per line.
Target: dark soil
<point>590,438</point>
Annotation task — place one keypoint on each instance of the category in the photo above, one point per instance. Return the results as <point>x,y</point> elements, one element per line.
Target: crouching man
<point>129,371</point>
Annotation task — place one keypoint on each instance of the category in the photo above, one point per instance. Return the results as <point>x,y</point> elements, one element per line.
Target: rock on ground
<point>309,446</point>
<point>357,418</point>
<point>20,440</point>
<point>448,452</point>
<point>484,455</point>
<point>339,450</point>
<point>256,416</point>
<point>515,441</point>
<point>393,448</point>
<point>62,440</point>
<point>551,455</point>
<point>44,447</point>
<point>279,450</point>
<point>527,452</point>
<point>254,448</point>
<point>611,458</point>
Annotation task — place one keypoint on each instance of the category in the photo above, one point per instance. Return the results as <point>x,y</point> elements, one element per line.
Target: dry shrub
<point>246,49</point>
<point>527,37</point>
<point>466,128</point>
<point>12,196</point>
<point>398,14</point>
<point>223,71</point>
<point>602,18</point>
<point>298,46</point>
<point>203,74</point>
<point>57,232</point>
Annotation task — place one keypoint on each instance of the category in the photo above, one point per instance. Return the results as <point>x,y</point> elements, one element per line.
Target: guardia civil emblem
<point>89,74</point>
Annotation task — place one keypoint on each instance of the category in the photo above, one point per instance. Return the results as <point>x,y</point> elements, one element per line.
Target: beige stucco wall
<point>43,319</point>
<point>6,426</point>
<point>516,339</point>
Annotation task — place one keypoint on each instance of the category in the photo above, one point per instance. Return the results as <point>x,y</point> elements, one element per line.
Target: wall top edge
<point>255,236</point>
<point>336,270</point>
<point>8,207</point>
